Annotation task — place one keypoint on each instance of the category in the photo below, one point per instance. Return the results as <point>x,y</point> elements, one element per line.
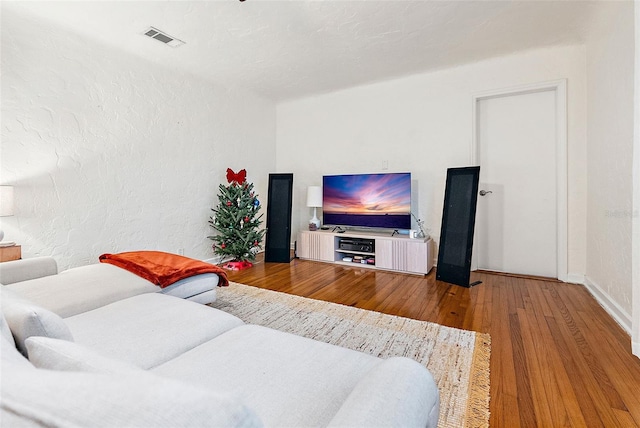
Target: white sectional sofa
<point>156,360</point>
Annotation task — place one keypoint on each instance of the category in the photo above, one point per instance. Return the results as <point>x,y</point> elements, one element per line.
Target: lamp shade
<point>6,201</point>
<point>314,196</point>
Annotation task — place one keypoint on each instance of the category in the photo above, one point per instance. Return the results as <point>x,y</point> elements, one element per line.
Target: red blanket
<point>163,269</point>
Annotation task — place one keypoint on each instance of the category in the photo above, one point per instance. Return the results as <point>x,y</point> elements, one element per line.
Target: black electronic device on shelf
<point>357,244</point>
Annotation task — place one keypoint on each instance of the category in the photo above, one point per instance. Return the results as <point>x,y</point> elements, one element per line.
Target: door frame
<point>559,87</point>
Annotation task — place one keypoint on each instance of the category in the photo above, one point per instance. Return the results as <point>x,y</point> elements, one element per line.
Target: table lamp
<point>314,200</point>
<point>6,204</point>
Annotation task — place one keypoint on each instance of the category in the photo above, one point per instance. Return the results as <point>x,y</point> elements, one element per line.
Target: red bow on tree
<point>238,177</point>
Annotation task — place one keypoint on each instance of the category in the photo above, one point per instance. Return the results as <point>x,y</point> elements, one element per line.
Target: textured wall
<point>110,153</point>
<point>423,124</point>
<point>610,58</point>
<point>636,194</point>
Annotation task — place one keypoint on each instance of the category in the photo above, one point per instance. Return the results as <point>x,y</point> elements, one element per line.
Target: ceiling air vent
<point>163,37</point>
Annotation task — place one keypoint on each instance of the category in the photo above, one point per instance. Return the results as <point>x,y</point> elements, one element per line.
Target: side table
<point>13,252</point>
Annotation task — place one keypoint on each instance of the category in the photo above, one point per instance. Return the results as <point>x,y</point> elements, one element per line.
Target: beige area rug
<point>458,359</point>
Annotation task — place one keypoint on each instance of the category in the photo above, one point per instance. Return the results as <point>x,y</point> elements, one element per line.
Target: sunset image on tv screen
<point>367,194</point>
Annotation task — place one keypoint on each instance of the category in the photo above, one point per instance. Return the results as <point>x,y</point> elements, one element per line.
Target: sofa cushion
<point>72,399</point>
<point>26,319</point>
<point>55,354</point>
<point>9,355</point>
<point>287,380</point>
<point>5,330</point>
<point>192,286</point>
<point>204,298</point>
<point>149,329</point>
<point>83,288</point>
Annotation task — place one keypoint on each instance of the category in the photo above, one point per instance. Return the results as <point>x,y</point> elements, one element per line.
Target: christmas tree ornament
<point>238,177</point>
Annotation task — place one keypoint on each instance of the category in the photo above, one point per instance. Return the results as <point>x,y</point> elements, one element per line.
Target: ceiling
<point>290,49</point>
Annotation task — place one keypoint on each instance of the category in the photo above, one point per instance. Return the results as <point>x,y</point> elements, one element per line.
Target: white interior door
<point>516,222</point>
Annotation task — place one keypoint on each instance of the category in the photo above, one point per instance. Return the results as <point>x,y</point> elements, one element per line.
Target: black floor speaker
<point>278,240</point>
<point>458,223</point>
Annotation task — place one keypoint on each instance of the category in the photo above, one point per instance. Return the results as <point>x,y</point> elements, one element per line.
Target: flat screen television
<point>367,200</point>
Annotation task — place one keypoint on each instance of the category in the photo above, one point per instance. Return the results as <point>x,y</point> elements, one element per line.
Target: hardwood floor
<point>557,358</point>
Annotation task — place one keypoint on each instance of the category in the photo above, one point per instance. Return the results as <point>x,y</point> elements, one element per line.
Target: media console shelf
<point>396,253</point>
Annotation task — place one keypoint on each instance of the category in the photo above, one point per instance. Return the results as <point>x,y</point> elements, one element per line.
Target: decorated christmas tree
<point>237,221</point>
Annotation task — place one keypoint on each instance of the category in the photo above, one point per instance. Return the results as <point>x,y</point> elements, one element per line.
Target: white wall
<point>636,195</point>
<point>610,65</point>
<point>423,124</point>
<point>110,153</point>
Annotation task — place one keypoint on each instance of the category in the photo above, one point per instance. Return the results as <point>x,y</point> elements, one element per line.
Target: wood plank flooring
<point>557,358</point>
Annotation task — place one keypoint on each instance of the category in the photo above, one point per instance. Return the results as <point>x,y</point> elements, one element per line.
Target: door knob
<point>485,192</point>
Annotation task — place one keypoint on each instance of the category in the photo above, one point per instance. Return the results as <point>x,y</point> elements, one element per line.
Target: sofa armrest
<point>26,269</point>
<point>398,392</point>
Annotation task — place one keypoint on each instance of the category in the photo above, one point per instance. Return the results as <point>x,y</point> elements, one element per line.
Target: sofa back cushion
<point>26,269</point>
<point>26,319</point>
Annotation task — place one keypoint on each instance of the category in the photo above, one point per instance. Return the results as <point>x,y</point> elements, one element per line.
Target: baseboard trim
<point>575,278</point>
<point>635,349</point>
<point>217,260</point>
<point>612,308</point>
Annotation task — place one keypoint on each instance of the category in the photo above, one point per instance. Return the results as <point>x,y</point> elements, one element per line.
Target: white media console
<point>396,253</point>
